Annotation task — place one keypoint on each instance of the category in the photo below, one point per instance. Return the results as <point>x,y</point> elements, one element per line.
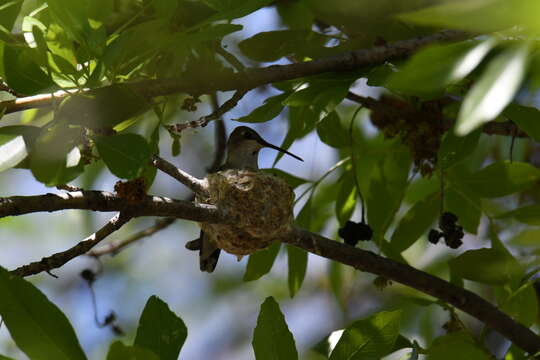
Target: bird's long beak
<point>267,144</point>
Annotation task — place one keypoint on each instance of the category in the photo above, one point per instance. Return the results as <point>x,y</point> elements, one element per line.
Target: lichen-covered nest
<point>260,205</point>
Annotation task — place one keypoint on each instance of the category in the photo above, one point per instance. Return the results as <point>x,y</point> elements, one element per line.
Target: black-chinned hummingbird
<point>243,148</point>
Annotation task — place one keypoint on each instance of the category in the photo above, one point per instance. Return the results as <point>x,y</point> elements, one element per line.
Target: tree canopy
<point>427,109</point>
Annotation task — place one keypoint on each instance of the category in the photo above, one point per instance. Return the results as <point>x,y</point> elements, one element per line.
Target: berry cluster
<point>450,230</point>
<point>353,232</point>
<point>418,127</point>
<point>190,103</point>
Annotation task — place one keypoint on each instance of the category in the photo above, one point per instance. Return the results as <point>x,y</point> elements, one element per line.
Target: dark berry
<point>447,222</point>
<point>364,232</point>
<point>348,233</point>
<point>434,236</point>
<point>88,275</point>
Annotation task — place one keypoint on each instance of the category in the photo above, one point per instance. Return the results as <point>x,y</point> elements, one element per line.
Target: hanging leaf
<point>494,89</point>
<point>527,118</point>
<point>455,148</point>
<point>346,197</point>
<point>271,108</point>
<point>272,339</point>
<point>160,330</point>
<point>297,265</point>
<point>36,325</point>
<point>124,154</point>
<point>430,70</point>
<point>332,132</point>
<point>260,263</point>
<point>371,337</point>
<point>487,266</point>
<point>527,214</point>
<point>456,345</point>
<point>502,178</point>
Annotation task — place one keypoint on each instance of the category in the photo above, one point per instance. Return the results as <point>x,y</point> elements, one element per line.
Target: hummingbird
<point>243,148</point>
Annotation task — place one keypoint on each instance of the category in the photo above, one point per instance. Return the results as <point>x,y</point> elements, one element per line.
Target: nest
<point>260,207</point>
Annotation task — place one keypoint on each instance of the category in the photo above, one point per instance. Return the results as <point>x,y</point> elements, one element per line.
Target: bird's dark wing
<point>208,254</point>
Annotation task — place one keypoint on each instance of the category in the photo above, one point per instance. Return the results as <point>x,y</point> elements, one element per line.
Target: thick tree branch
<point>198,186</point>
<point>254,77</point>
<point>360,259</point>
<point>105,201</point>
<point>462,299</point>
<point>56,260</point>
<point>115,246</point>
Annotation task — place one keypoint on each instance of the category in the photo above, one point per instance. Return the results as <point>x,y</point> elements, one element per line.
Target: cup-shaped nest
<point>260,206</point>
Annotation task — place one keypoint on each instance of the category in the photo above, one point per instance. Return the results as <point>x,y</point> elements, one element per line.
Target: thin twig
<point>230,58</point>
<point>196,185</point>
<point>115,246</point>
<point>218,113</point>
<point>56,260</point>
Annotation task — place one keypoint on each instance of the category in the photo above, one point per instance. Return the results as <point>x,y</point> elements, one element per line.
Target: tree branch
<point>254,77</point>
<point>196,185</point>
<point>462,299</point>
<point>218,113</point>
<point>56,260</point>
<point>105,201</point>
<point>115,246</point>
<point>359,259</point>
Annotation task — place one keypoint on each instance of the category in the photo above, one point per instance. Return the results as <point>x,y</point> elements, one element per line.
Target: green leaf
<point>369,338</point>
<point>297,261</point>
<point>54,158</point>
<point>432,69</point>
<point>478,16</point>
<point>527,118</point>
<point>494,89</point>
<point>387,185</point>
<point>527,214</point>
<point>103,107</point>
<point>293,181</point>
<point>36,325</point>
<point>272,45</point>
<point>415,223</point>
<point>160,330</point>
<point>272,339</point>
<point>15,142</point>
<point>233,9</point>
<point>456,345</point>
<point>2,357</point>
<point>9,10</point>
<point>296,14</point>
<point>72,15</point>
<point>466,205</point>
<point>22,74</point>
<point>487,266</point>
<point>321,95</point>
<point>119,351</point>
<point>455,148</point>
<point>522,305</point>
<point>527,237</point>
<point>502,178</point>
<point>332,132</point>
<point>124,154</point>
<point>346,197</point>
<point>260,263</point>
<point>271,108</point>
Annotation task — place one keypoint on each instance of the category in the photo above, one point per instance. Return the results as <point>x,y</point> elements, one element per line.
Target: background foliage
<point>421,146</point>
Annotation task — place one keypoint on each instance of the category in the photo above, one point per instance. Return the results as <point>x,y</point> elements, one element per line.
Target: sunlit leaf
<point>429,71</point>
<point>494,89</point>
<point>371,337</point>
